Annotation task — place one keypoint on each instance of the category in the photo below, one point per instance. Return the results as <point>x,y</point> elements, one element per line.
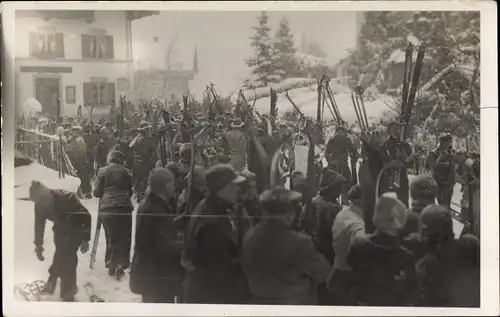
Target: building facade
<point>69,58</point>
<point>162,83</point>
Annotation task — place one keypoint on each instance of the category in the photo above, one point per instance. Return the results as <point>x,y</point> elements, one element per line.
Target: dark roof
<point>135,15</point>
<point>77,14</point>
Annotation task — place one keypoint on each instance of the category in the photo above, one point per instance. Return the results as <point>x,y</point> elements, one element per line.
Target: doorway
<point>47,92</point>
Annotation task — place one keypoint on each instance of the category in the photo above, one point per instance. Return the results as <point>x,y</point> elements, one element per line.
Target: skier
<point>338,150</point>
<point>442,164</point>
<point>114,190</point>
<point>399,152</point>
<point>72,225</point>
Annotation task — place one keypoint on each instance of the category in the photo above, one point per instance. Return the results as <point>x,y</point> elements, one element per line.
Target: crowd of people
<point>210,229</point>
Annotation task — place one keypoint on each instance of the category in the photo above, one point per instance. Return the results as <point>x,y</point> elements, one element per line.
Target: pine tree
<point>263,70</point>
<point>284,49</point>
<point>451,40</point>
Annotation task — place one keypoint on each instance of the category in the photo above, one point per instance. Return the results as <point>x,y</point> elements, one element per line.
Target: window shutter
<point>87,93</point>
<point>34,51</point>
<point>59,45</point>
<point>85,46</point>
<point>110,90</point>
<point>109,46</point>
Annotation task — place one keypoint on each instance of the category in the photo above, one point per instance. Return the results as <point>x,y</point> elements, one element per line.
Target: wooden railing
<point>46,149</point>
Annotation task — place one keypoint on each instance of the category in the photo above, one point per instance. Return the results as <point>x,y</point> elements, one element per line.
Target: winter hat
<point>436,225</point>
<point>116,157</point>
<point>159,178</point>
<point>330,179</point>
<point>274,198</point>
<point>393,123</point>
<point>220,175</point>
<point>423,187</point>
<point>390,214</point>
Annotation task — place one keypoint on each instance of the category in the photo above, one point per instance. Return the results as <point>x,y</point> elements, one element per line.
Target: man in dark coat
<point>91,140</point>
<point>156,271</point>
<point>281,264</point>
<point>214,274</point>
<point>114,190</point>
<point>104,147</point>
<point>72,225</point>
<point>338,151</point>
<point>442,164</point>
<point>326,207</point>
<point>144,159</point>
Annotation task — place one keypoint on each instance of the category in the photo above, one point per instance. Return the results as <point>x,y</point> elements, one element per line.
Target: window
<point>99,94</point>
<point>97,46</point>
<point>46,44</point>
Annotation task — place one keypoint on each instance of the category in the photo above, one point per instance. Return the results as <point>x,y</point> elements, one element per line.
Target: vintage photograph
<point>324,158</point>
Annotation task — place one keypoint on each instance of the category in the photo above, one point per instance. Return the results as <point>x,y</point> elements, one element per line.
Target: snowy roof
<point>398,56</point>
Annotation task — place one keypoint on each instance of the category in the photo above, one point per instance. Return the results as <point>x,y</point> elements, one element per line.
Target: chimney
<point>195,61</point>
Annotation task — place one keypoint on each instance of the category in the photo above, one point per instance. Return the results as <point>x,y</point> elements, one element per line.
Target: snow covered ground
<point>28,269</point>
<point>306,99</point>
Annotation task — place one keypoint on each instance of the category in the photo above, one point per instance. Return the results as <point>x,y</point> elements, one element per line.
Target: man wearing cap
<point>156,272</point>
<point>145,159</point>
<point>236,144</point>
<point>442,164</point>
<point>400,152</point>
<point>250,199</point>
<point>114,190</point>
<point>214,274</point>
<point>72,225</point>
<point>338,150</point>
<point>423,191</point>
<point>77,152</point>
<point>281,264</point>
